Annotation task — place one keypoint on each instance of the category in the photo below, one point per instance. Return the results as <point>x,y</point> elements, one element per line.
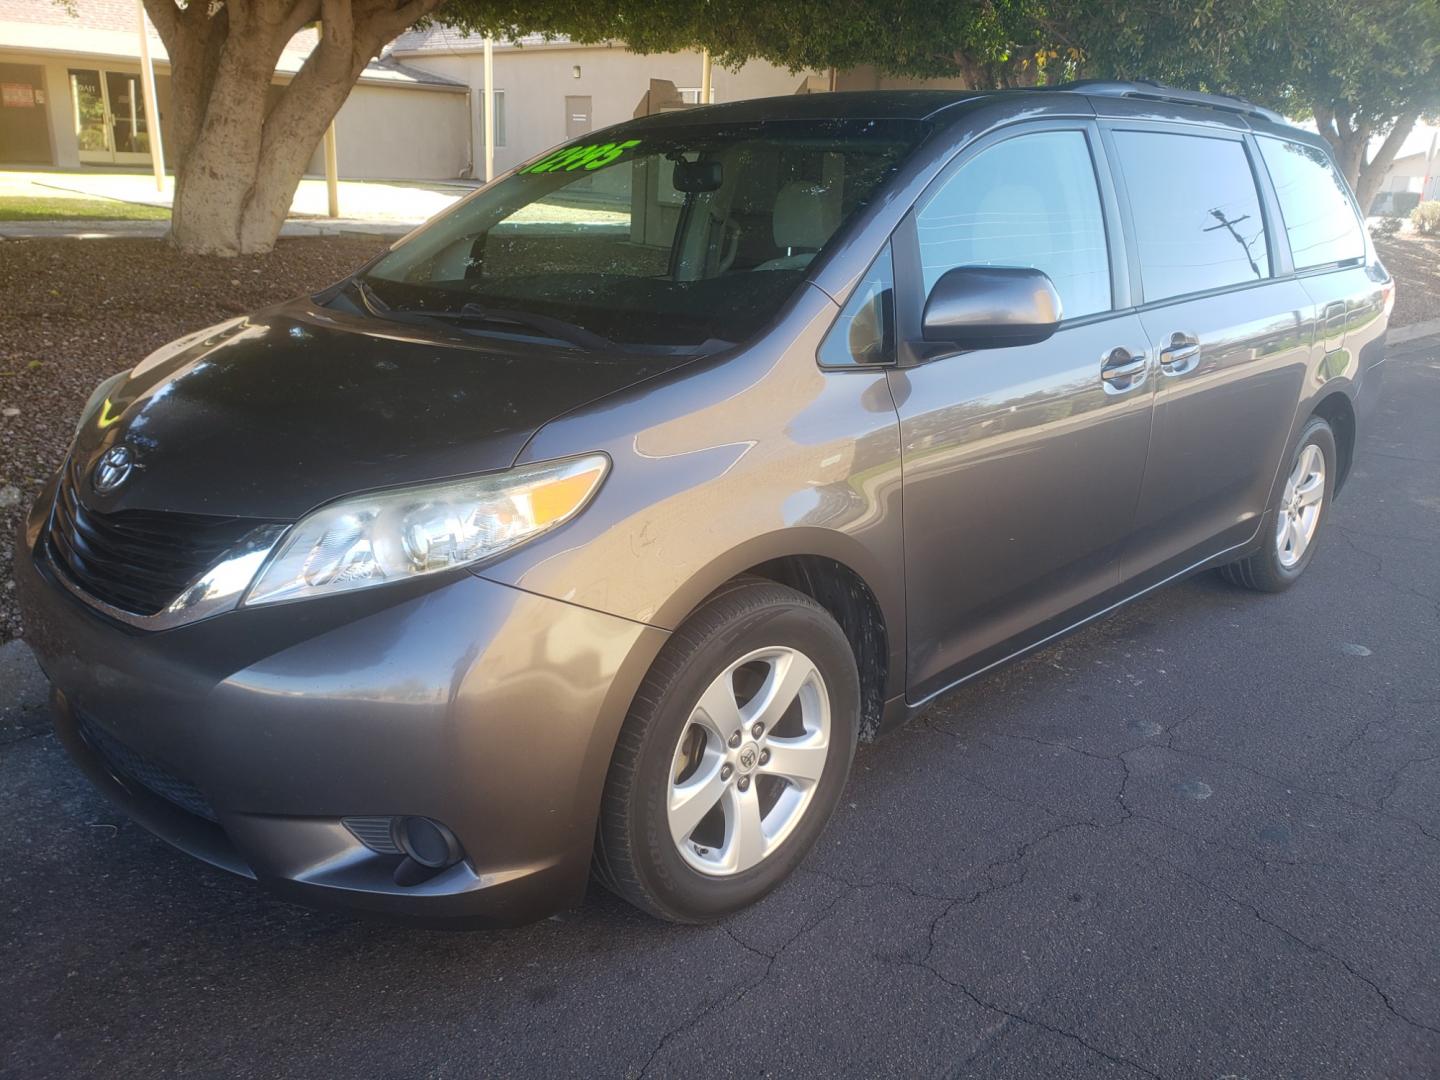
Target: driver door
<point>1022,465</point>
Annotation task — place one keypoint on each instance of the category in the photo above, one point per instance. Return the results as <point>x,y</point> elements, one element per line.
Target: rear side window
<point>1319,216</point>
<point>1196,212</point>
<point>1028,201</point>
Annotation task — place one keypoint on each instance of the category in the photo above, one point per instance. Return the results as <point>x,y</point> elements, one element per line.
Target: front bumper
<point>246,738</point>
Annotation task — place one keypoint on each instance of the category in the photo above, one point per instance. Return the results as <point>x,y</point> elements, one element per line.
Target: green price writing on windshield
<point>592,156</point>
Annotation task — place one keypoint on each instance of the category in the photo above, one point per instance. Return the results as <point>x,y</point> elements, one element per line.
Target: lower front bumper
<point>488,709</point>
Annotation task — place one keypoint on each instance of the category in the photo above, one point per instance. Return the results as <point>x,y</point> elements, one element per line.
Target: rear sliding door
<point>1230,330</point>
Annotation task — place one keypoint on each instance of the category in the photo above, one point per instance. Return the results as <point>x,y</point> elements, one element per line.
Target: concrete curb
<point>1403,335</point>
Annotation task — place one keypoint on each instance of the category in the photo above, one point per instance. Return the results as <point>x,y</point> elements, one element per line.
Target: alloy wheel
<point>748,761</point>
<point>1300,507</point>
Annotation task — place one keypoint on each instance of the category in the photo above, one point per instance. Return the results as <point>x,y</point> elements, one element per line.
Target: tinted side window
<point>1197,213</point>
<point>1319,216</point>
<point>1028,201</point>
<point>865,331</point>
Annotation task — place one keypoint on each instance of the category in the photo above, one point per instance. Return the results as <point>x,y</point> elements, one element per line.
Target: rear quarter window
<point>1320,218</point>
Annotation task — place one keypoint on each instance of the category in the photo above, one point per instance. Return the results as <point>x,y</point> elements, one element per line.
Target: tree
<point>238,153</point>
<point>240,146</point>
<point>1362,69</point>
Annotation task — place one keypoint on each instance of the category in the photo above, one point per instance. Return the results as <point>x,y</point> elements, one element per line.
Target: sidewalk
<point>99,230</point>
<point>386,208</point>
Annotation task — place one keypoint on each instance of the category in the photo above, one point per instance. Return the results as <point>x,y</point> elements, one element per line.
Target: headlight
<point>371,539</point>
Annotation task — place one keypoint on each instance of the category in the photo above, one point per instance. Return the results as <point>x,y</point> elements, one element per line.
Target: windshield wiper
<point>558,329</point>
<point>550,327</point>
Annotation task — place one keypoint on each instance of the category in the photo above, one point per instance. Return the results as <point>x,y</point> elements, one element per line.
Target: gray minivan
<point>594,523</point>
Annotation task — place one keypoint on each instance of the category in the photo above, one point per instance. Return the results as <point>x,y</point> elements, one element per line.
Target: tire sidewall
<point>688,894</point>
<point>1316,433</point>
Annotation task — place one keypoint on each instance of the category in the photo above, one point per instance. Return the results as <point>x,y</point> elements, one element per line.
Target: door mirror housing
<point>991,307</point>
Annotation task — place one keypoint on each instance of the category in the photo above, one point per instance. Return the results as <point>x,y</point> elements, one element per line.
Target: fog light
<point>427,842</point>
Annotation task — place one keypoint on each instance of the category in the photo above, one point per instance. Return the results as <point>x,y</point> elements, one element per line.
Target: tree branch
<point>301,15</point>
<point>1371,173</point>
<point>388,25</point>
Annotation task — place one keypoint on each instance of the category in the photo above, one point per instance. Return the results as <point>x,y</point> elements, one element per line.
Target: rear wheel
<point>1292,525</point>
<point>733,757</point>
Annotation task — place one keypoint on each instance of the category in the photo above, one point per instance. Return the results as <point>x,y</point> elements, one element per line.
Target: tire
<point>1276,566</point>
<point>673,754</point>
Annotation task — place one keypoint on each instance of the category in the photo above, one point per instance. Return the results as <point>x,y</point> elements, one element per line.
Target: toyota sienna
<point>591,525</point>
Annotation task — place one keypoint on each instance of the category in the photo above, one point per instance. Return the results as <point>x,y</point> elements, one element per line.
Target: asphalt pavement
<point>1198,839</point>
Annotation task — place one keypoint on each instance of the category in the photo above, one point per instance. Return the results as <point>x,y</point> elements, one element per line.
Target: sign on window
<point>17,96</point>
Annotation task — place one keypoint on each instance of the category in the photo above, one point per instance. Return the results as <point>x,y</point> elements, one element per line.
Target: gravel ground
<point>1415,262</point>
<point>76,311</point>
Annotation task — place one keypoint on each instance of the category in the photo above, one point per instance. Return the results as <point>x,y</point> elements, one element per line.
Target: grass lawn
<point>29,208</point>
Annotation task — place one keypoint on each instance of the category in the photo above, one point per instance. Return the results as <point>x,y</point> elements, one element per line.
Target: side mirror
<point>990,307</point>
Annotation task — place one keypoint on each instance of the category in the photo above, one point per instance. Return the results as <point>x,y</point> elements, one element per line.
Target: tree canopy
<point>1361,68</point>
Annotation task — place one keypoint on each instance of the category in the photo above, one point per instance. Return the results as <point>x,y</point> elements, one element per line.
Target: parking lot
<point>1198,839</point>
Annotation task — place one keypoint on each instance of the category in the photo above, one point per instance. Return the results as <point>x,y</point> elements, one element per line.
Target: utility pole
<point>332,171</point>
<point>1431,160</point>
<point>489,109</point>
<point>152,104</point>
<point>705,77</point>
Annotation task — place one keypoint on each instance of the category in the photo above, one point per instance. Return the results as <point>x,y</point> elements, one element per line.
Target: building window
<point>691,94</point>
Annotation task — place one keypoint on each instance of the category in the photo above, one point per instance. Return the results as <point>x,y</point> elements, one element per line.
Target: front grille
<point>135,560</point>
<point>157,778</point>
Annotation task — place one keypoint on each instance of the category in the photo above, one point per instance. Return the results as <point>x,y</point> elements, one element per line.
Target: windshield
<point>681,235</point>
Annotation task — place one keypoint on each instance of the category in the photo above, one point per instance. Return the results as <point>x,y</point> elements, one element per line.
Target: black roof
<point>926,104</point>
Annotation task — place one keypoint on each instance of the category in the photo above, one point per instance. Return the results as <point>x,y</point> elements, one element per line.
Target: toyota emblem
<point>112,470</point>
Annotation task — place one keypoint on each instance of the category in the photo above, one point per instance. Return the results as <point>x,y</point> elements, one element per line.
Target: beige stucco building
<point>1409,179</point>
<point>70,95</point>
<point>548,91</point>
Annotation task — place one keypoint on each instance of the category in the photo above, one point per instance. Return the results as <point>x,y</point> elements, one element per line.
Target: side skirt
<point>899,709</point>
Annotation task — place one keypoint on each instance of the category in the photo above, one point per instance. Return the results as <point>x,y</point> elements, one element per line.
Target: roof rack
<point>1154,91</point>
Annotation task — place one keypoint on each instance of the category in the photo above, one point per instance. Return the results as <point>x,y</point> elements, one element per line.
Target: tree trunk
<point>1349,137</point>
<point>1372,173</point>
<point>239,145</point>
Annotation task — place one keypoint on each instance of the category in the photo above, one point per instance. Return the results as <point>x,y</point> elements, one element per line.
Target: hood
<point>270,415</point>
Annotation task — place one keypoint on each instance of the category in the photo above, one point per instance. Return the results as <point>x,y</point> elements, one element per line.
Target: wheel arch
<point>1337,410</point>
<point>840,575</point>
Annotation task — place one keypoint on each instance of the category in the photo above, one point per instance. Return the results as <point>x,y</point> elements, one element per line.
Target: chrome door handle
<point>1181,355</point>
<point>1122,371</point>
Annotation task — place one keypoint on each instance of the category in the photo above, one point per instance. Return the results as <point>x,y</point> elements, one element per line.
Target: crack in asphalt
<point>1409,590</point>
<point>1394,783</point>
<point>1320,949</point>
<point>1128,815</point>
<point>1030,1021</point>
<point>1016,858</point>
<point>1292,785</point>
<point>738,995</point>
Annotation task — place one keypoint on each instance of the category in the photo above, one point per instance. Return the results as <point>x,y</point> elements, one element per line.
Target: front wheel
<point>733,757</point>
<point>1292,525</point>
